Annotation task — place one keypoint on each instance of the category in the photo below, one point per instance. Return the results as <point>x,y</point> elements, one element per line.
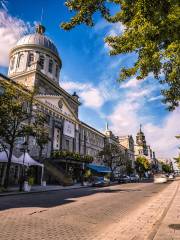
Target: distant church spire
<point>140,129</point>
<point>107,126</point>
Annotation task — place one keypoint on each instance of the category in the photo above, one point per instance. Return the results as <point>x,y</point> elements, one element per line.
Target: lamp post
<point>24,150</point>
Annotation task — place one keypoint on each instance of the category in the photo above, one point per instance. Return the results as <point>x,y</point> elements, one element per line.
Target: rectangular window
<point>67,145</point>
<point>56,73</point>
<point>41,62</point>
<point>50,65</point>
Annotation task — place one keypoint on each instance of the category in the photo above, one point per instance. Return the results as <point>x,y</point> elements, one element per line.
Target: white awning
<point>27,159</point>
<point>4,158</point>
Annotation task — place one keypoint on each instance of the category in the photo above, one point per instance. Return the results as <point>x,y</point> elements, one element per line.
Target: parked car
<point>124,179</point>
<point>134,178</point>
<point>160,178</point>
<point>100,182</point>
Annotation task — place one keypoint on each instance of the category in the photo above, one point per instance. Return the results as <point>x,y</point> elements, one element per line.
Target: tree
<point>151,30</point>
<point>13,119</point>
<point>112,156</point>
<point>142,165</point>
<point>166,168</point>
<point>129,169</point>
<point>178,158</point>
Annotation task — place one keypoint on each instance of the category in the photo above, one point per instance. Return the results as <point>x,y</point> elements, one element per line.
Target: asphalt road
<point>79,214</point>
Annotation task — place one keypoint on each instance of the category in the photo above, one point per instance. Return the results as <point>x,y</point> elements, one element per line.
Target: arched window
<point>30,59</point>
<point>41,61</point>
<point>12,63</point>
<point>20,62</point>
<point>50,65</point>
<point>56,73</point>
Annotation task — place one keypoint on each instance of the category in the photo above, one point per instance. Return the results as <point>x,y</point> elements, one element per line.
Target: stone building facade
<point>128,143</point>
<point>35,64</point>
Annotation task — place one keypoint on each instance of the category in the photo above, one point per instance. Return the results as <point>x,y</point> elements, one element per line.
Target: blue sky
<point>88,69</point>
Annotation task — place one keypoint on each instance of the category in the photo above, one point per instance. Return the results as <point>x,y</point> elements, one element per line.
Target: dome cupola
<point>35,52</point>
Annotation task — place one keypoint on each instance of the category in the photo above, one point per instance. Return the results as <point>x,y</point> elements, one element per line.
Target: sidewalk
<point>157,220</point>
<point>170,225</point>
<point>39,189</point>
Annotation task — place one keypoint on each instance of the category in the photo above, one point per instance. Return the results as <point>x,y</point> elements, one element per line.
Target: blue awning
<point>98,168</point>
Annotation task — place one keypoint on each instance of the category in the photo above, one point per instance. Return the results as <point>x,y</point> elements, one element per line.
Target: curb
<point>42,191</point>
<point>48,190</point>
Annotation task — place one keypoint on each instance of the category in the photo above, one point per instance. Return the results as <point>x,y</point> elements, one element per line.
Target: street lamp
<point>24,149</point>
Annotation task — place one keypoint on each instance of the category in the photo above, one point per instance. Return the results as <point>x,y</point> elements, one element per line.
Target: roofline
<point>59,87</point>
<point>15,83</point>
<point>55,84</point>
<point>85,124</point>
<point>59,97</point>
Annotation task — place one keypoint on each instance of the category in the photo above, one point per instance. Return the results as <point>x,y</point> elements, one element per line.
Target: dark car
<point>124,179</point>
<point>100,182</point>
<point>134,178</point>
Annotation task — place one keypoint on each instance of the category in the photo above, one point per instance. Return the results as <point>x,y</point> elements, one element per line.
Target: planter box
<point>27,187</point>
<point>43,184</point>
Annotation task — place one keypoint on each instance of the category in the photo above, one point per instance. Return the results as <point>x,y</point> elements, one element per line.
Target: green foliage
<point>87,173</point>
<point>112,156</point>
<point>129,169</point>
<point>178,161</point>
<point>142,165</point>
<point>151,31</point>
<point>13,114</point>
<point>64,154</point>
<point>178,158</point>
<point>166,168</point>
<point>31,181</point>
<point>14,118</point>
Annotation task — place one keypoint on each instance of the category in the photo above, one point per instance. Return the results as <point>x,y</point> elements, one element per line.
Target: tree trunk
<point>6,182</point>
<point>4,174</point>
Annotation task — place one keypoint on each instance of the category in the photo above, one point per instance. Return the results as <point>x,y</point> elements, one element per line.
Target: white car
<point>160,178</point>
<point>171,177</point>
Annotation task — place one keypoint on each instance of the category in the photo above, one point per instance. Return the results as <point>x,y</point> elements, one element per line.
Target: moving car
<point>160,178</point>
<point>100,182</point>
<point>171,177</point>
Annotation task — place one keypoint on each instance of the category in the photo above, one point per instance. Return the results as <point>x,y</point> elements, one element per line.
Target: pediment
<point>57,103</point>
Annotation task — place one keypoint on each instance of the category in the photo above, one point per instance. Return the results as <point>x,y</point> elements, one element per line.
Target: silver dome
<point>38,39</point>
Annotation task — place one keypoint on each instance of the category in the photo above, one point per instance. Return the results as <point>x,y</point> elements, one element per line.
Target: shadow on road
<point>174,226</point>
<point>53,198</point>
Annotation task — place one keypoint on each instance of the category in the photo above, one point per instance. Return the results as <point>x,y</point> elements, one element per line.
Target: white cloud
<point>162,138</point>
<point>92,98</point>
<point>11,29</point>
<point>132,109</point>
<point>90,95</point>
<point>133,82</point>
<point>116,29</point>
<point>126,118</point>
<point>69,86</point>
<point>155,98</point>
